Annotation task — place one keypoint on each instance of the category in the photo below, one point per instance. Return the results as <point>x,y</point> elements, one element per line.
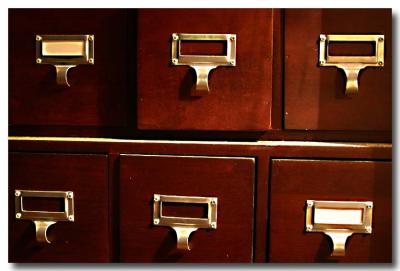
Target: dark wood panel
<point>295,181</point>
<point>113,201</point>
<point>273,148</point>
<point>314,96</point>
<point>76,111</point>
<point>84,240</point>
<point>261,150</point>
<point>231,180</point>
<point>98,95</point>
<point>278,70</point>
<point>240,97</point>
<point>342,136</point>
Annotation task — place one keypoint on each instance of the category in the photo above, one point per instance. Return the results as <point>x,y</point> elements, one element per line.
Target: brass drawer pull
<point>64,52</point>
<point>44,219</point>
<point>203,64</point>
<point>351,65</point>
<point>339,220</point>
<point>184,226</point>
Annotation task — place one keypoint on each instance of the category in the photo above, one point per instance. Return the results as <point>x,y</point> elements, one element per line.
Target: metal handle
<point>203,64</point>
<point>351,65</point>
<point>44,219</point>
<point>202,80</point>
<point>184,226</point>
<point>62,74</point>
<point>352,80</point>
<point>339,220</point>
<point>64,52</point>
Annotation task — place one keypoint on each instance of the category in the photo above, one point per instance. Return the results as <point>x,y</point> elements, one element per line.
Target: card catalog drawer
<point>167,199</point>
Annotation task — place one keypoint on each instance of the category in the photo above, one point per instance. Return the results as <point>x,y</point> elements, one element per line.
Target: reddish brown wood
<point>89,108</point>
<point>113,201</point>
<point>102,103</point>
<point>352,48</point>
<point>84,240</point>
<point>273,149</point>
<point>277,75</point>
<point>231,180</point>
<point>203,47</point>
<point>98,94</point>
<point>295,181</point>
<point>262,152</point>
<point>261,238</point>
<point>240,97</point>
<point>314,96</point>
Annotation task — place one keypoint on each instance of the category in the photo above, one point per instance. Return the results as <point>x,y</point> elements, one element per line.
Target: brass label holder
<point>64,52</point>
<point>339,220</point>
<point>203,64</point>
<point>184,226</point>
<point>44,219</point>
<point>351,65</point>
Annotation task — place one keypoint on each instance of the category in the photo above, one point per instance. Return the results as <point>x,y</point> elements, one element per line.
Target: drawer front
<point>229,180</point>
<point>293,182</point>
<point>239,96</point>
<point>97,93</point>
<point>86,238</point>
<point>315,96</point>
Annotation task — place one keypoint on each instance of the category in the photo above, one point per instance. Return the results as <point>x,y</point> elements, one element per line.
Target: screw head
<point>18,215</point>
<point>38,38</point>
<point>213,202</point>
<point>322,62</point>
<point>380,39</point>
<point>70,195</point>
<point>232,37</point>
<point>156,221</point>
<point>91,60</point>
<point>213,225</point>
<point>175,37</point>
<point>380,63</point>
<point>156,198</point>
<point>71,218</point>
<point>91,37</point>
<point>17,193</point>
<point>368,228</point>
<point>369,206</point>
<point>309,227</point>
<point>310,204</point>
<point>38,60</point>
<point>174,61</point>
<point>322,38</point>
<point>232,62</point>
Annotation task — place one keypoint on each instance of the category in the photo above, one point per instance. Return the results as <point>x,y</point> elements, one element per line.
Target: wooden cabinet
<point>223,122</point>
<point>269,87</point>
<point>315,96</point>
<point>229,180</point>
<point>294,181</point>
<point>86,239</point>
